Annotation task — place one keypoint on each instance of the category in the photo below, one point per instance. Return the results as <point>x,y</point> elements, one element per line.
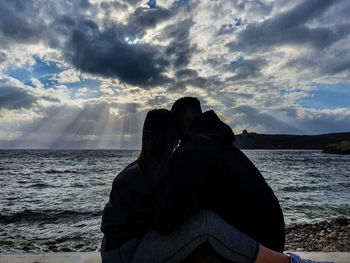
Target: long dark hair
<point>159,138</point>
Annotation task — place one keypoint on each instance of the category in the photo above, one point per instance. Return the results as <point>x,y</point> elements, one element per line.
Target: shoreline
<point>323,236</point>
<point>331,235</point>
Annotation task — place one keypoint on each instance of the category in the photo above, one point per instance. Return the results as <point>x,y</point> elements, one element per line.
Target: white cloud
<point>106,89</point>
<point>36,83</point>
<point>68,76</point>
<point>81,92</point>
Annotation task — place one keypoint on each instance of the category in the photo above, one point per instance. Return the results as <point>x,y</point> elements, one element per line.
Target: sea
<point>52,200</point>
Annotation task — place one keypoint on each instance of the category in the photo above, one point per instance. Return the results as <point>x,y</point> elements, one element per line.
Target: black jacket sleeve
<point>129,211</point>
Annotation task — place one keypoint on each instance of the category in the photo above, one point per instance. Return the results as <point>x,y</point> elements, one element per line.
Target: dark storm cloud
<point>180,48</point>
<point>20,21</point>
<point>34,21</point>
<point>290,28</point>
<point>14,98</point>
<point>64,25</point>
<point>106,53</point>
<point>338,66</point>
<point>115,52</point>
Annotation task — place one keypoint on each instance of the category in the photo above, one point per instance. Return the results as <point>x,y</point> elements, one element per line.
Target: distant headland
<point>339,148</point>
<point>251,140</point>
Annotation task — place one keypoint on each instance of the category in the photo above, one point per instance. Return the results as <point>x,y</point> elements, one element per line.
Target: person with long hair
<point>129,211</point>
<point>128,217</point>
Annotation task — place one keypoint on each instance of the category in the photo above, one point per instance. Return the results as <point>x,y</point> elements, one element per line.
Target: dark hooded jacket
<point>208,172</point>
<point>129,211</point>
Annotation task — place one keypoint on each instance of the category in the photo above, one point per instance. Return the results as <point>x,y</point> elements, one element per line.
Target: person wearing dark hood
<point>208,172</point>
<point>128,220</point>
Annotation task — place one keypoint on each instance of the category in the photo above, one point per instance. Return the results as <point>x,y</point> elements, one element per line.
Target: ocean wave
<point>315,187</point>
<point>303,188</point>
<point>47,216</point>
<point>53,171</point>
<point>40,185</point>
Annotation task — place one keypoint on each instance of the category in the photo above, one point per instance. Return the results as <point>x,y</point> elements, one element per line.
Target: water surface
<point>52,200</point>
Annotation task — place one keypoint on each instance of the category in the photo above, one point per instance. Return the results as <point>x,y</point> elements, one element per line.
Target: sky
<point>84,73</point>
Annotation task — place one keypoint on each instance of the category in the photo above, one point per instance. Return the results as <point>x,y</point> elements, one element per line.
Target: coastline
<point>327,240</point>
<point>331,235</point>
<point>326,236</point>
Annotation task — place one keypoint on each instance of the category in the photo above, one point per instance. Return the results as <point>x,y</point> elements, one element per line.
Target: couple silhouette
<point>200,200</point>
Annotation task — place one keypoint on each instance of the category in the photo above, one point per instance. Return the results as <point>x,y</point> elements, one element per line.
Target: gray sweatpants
<point>203,226</point>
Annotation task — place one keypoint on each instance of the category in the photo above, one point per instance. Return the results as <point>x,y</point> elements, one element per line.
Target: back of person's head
<point>159,137</point>
<point>185,110</point>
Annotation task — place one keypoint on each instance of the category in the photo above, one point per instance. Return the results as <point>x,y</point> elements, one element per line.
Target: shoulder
<point>131,179</point>
<point>123,186</point>
<point>126,175</point>
<point>238,154</point>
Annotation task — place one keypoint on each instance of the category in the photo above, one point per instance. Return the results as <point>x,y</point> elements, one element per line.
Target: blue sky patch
<point>152,3</point>
<point>22,74</point>
<point>238,61</point>
<point>43,71</point>
<point>45,67</point>
<point>238,21</point>
<point>327,96</point>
